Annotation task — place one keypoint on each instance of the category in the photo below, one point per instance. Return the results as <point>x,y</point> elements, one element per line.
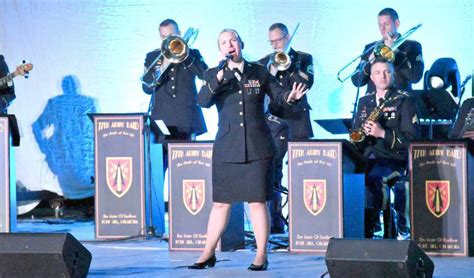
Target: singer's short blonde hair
<point>228,30</point>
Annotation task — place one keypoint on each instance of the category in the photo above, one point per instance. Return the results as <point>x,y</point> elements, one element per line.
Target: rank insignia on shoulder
<point>403,93</point>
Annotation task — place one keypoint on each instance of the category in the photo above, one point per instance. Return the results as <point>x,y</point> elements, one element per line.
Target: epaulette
<point>302,53</point>
<point>403,93</point>
<point>368,95</point>
<point>266,57</point>
<point>255,64</point>
<point>259,63</point>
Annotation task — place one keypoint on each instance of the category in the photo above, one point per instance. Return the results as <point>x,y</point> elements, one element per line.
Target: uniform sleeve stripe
<point>393,140</point>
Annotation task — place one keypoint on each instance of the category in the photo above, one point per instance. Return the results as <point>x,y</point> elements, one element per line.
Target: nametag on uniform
<point>252,86</point>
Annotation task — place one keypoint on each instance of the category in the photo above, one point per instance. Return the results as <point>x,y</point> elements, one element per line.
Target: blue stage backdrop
<point>99,46</point>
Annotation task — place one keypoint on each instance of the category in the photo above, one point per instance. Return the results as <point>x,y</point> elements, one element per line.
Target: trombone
<point>174,49</point>
<point>280,59</point>
<point>380,50</point>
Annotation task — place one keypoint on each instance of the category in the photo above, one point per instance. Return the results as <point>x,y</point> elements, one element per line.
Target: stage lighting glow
<point>436,82</point>
<point>442,74</point>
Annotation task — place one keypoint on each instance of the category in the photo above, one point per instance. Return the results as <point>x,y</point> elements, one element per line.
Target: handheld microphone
<point>224,62</point>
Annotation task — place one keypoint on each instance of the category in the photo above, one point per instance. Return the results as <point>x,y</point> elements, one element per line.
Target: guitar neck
<point>4,80</point>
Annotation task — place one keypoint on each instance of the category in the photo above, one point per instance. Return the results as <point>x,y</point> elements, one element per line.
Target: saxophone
<point>358,135</point>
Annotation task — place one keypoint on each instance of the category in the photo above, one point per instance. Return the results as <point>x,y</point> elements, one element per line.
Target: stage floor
<point>151,257</point>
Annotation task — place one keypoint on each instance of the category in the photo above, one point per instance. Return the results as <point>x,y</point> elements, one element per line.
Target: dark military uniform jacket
<point>278,127</point>
<point>465,121</point>
<point>399,120</point>
<point>7,93</point>
<point>175,98</point>
<point>408,66</point>
<point>243,134</point>
<point>300,71</point>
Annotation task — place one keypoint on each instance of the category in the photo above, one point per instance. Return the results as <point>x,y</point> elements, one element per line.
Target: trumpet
<point>380,50</point>
<point>175,50</point>
<point>280,59</point>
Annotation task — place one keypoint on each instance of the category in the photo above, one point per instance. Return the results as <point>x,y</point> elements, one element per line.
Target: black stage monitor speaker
<point>377,258</point>
<point>42,255</point>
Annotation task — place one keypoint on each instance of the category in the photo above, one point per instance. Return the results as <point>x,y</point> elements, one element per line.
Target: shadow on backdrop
<point>64,134</point>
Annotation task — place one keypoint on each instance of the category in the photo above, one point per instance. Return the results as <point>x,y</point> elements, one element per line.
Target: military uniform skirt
<point>242,182</point>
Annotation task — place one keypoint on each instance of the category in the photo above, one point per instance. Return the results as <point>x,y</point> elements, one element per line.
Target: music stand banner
<point>119,172</point>
<point>315,195</point>
<point>8,209</point>
<point>190,200</point>
<point>190,179</point>
<point>439,197</point>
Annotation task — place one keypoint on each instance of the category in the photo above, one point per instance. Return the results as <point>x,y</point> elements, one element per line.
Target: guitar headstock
<point>24,69</point>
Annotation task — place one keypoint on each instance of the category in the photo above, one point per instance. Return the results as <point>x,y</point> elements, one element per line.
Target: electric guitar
<point>21,70</point>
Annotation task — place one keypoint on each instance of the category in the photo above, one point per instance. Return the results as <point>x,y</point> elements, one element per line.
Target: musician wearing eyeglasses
<point>7,90</point>
<point>385,122</point>
<point>408,63</point>
<point>285,124</point>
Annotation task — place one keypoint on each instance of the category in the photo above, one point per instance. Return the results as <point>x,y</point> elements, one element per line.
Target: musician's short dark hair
<point>381,60</point>
<point>168,22</point>
<point>390,12</point>
<point>280,26</point>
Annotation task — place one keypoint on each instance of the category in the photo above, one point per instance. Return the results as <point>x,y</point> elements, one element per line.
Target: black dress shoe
<point>261,267</point>
<point>211,262</point>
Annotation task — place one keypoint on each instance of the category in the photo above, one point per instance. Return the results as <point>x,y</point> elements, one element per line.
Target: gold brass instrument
<point>280,59</point>
<point>380,50</point>
<point>175,50</point>
<point>358,135</point>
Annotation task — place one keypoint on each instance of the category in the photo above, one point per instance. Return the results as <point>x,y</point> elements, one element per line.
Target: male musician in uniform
<point>408,66</point>
<point>408,62</point>
<point>7,90</point>
<point>387,135</point>
<point>174,95</point>
<point>296,119</point>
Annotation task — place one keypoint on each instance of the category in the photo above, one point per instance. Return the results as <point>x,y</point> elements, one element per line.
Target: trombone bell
<point>385,52</point>
<point>175,49</point>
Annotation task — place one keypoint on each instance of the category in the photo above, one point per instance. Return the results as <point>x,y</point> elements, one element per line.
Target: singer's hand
<point>220,75</point>
<point>298,91</point>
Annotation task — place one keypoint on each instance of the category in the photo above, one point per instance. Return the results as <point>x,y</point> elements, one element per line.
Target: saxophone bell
<point>357,136</point>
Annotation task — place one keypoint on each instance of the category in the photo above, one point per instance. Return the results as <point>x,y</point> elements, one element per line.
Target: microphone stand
<point>150,229</point>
